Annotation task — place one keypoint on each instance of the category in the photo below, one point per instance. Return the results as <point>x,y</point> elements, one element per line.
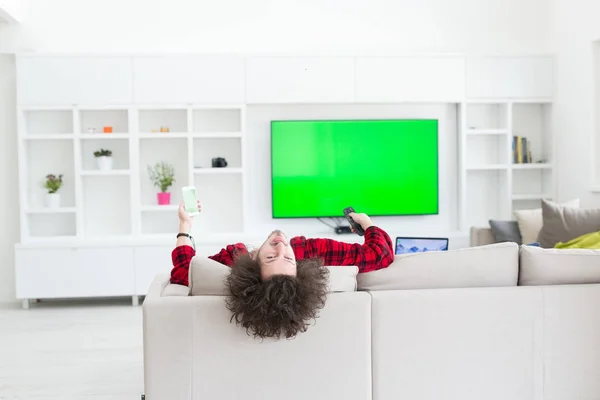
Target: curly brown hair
<point>281,306</point>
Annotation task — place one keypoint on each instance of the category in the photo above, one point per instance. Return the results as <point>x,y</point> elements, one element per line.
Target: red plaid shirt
<point>376,253</point>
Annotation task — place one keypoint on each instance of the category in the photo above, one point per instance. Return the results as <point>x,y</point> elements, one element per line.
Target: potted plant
<point>103,159</point>
<point>162,176</point>
<point>53,183</point>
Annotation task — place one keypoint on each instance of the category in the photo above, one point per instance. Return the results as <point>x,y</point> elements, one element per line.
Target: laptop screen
<point>406,245</point>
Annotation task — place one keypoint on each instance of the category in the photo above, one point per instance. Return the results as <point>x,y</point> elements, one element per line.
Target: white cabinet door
<point>300,80</point>
<point>106,271</point>
<point>510,77</point>
<point>71,272</point>
<point>74,80</point>
<point>400,79</point>
<point>149,262</point>
<point>189,79</point>
<point>45,273</point>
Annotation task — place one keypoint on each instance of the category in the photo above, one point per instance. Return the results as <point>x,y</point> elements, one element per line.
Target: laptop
<point>405,245</point>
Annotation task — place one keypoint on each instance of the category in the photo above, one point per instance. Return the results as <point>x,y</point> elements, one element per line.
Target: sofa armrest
<point>161,287</point>
<point>481,236</point>
<point>168,341</point>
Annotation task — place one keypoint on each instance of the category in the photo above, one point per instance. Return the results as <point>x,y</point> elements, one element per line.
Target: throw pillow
<point>207,277</point>
<point>505,231</point>
<point>531,221</point>
<point>562,224</point>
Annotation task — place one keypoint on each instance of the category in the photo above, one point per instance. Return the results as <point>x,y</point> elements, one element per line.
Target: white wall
<point>490,26</point>
<point>259,156</point>
<point>9,202</point>
<point>14,8</point>
<point>576,27</point>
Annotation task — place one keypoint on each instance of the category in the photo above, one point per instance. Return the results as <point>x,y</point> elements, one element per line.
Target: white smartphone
<point>190,201</point>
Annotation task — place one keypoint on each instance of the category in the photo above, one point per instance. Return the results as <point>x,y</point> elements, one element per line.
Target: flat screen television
<point>379,167</point>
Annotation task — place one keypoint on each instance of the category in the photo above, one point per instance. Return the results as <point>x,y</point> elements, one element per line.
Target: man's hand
<point>362,219</point>
<point>185,219</point>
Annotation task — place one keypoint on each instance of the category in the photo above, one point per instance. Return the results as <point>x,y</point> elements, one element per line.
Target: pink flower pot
<point>164,199</point>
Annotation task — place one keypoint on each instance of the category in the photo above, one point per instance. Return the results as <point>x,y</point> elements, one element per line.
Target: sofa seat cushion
<point>483,266</point>
<point>207,277</point>
<point>539,266</point>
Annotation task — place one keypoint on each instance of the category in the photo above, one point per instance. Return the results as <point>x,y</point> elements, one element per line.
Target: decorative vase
<point>104,163</point>
<point>164,198</point>
<point>53,200</point>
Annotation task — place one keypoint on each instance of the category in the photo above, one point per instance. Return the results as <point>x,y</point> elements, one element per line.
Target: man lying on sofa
<point>276,290</point>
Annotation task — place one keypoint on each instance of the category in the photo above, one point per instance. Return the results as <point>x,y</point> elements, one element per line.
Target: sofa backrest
<point>211,358</point>
<point>463,344</point>
<point>484,266</point>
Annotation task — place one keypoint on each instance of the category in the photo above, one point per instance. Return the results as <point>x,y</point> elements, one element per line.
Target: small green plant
<point>53,183</point>
<point>102,153</point>
<point>162,175</point>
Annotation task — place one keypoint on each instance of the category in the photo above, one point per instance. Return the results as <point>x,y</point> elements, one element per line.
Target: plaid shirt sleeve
<point>182,258</point>
<point>228,254</point>
<point>376,253</point>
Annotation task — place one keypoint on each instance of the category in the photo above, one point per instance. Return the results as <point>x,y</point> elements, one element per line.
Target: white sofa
<point>495,341</point>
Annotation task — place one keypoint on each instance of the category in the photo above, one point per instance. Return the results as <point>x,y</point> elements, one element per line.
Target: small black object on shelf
<point>219,162</point>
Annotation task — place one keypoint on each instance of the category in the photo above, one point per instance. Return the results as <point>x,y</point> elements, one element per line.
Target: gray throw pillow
<point>562,224</point>
<point>506,231</point>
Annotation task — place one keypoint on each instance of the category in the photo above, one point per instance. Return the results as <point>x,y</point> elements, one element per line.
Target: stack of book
<point>521,150</point>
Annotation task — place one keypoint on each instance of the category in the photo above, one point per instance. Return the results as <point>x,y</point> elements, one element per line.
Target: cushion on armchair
<point>505,231</point>
<point>562,224</point>
<point>531,221</point>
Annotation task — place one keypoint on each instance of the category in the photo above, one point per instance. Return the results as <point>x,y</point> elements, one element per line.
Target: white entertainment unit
<point>110,238</point>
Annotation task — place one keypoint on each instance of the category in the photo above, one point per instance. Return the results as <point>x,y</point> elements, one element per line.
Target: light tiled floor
<point>65,350</point>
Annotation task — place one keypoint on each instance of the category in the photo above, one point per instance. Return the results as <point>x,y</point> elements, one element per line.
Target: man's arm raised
<point>376,252</point>
<point>184,252</point>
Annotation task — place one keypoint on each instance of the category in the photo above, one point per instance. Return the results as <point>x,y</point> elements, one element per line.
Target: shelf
<point>176,120</point>
<point>195,135</point>
<point>485,132</point>
<point>170,208</point>
<point>45,225</point>
<point>48,122</point>
<point>532,166</point>
<point>217,120</point>
<point>163,135</point>
<point>208,171</point>
<point>117,119</point>
<point>531,196</point>
<point>488,167</point>
<point>217,135</point>
<point>104,136</point>
<point>106,206</point>
<point>55,136</point>
<point>487,117</point>
<point>114,172</point>
<point>60,210</point>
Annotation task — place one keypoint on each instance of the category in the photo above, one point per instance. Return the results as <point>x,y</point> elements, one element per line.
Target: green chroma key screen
<point>379,167</point>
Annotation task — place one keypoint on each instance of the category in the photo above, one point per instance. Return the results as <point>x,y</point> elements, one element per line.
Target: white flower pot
<point>53,200</point>
<point>104,163</point>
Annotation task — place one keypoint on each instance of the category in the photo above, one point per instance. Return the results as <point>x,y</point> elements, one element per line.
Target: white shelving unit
<point>492,186</point>
<point>122,202</point>
<point>110,237</point>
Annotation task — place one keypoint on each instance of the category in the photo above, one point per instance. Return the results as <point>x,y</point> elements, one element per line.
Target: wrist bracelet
<point>188,236</point>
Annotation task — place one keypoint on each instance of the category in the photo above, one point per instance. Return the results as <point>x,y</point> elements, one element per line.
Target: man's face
<point>276,256</point>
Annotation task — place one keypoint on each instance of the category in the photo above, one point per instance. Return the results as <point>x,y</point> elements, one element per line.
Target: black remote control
<point>357,228</point>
